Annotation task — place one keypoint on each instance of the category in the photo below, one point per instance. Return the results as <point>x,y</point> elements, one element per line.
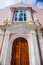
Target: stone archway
<point>7,60</point>
<point>20,52</point>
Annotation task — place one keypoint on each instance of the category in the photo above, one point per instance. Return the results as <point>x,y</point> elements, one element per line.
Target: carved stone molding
<point>19,8</point>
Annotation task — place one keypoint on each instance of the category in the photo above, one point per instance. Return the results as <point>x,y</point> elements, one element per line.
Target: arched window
<point>20,15</point>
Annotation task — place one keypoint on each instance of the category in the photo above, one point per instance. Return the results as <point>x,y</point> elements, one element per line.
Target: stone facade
<point>12,30</point>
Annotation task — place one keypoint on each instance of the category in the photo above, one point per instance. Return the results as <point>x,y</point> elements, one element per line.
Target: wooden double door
<point>20,52</point>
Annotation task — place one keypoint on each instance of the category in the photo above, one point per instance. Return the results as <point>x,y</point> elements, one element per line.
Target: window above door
<point>20,15</point>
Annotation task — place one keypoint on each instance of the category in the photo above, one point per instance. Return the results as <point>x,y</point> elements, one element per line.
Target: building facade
<point>21,35</point>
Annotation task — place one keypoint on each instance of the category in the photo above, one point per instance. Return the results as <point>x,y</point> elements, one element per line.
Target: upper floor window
<point>20,15</point>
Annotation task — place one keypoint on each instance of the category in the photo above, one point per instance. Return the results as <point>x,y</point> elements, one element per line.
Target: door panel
<point>20,55</point>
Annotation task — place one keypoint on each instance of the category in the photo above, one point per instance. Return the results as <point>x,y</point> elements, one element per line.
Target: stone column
<point>31,51</point>
<point>5,47</point>
<point>36,51</point>
<point>41,42</point>
<point>1,39</point>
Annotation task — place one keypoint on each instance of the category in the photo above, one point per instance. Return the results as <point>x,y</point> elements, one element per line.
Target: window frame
<point>24,16</point>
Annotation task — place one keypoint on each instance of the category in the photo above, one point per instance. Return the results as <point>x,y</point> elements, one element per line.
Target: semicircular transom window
<point>20,15</point>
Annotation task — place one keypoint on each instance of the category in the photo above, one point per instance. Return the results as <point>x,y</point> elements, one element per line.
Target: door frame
<point>30,46</point>
<point>19,39</point>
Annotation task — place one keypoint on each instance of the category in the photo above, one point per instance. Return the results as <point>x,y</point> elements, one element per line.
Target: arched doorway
<point>20,52</point>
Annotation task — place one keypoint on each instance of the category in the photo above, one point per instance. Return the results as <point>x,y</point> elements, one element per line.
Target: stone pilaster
<point>1,39</point>
<point>31,51</point>
<point>5,47</point>
<point>36,51</point>
<point>41,42</point>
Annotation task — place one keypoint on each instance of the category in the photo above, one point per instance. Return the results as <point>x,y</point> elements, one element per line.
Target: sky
<point>37,3</point>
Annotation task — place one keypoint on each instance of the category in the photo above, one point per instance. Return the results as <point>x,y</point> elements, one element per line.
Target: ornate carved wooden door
<point>20,53</point>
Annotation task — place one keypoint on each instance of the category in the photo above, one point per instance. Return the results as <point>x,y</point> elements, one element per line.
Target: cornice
<point>20,24</point>
<point>20,8</point>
